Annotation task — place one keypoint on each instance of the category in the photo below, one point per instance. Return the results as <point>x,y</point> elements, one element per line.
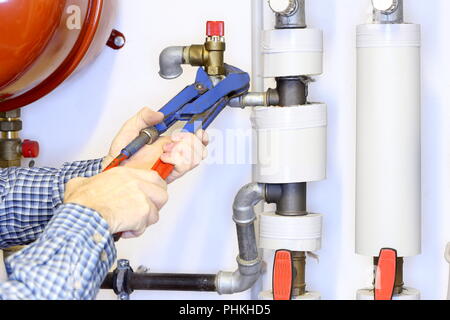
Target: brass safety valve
<point>211,54</point>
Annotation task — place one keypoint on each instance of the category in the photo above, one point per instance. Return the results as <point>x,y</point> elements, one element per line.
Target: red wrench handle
<point>164,170</point>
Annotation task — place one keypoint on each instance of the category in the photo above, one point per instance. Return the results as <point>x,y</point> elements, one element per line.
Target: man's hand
<point>128,199</point>
<point>184,150</point>
<point>147,156</point>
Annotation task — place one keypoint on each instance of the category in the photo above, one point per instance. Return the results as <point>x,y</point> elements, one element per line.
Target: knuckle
<point>154,217</point>
<point>165,198</point>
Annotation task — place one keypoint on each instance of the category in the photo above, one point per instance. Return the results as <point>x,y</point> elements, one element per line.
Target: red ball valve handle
<point>385,275</point>
<point>283,275</point>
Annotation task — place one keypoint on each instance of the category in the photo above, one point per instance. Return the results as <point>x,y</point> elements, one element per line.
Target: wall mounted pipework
<point>291,140</point>
<point>249,260</point>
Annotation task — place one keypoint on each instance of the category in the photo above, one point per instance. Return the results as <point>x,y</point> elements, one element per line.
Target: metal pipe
<point>295,18</point>
<point>290,198</point>
<point>256,99</point>
<point>167,282</point>
<point>391,15</point>
<point>292,91</point>
<point>170,61</point>
<point>249,260</point>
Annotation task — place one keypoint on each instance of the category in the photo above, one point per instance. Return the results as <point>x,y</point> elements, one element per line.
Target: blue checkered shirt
<point>71,248</point>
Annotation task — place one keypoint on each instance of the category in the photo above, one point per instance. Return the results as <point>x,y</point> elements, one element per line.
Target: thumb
<point>147,117</point>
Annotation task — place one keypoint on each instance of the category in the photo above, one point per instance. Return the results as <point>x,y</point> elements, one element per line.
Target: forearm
<point>29,198</point>
<point>68,261</point>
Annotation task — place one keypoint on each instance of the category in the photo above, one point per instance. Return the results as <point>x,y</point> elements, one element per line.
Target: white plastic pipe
<point>388,190</point>
<point>257,58</point>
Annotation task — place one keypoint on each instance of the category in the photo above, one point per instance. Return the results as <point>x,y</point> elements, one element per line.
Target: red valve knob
<point>215,28</point>
<point>30,149</point>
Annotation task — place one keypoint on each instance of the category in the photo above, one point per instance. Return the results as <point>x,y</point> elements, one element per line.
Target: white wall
<point>196,233</point>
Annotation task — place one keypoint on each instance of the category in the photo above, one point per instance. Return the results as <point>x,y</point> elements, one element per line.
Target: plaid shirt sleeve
<point>29,198</point>
<point>69,261</point>
<point>72,256</point>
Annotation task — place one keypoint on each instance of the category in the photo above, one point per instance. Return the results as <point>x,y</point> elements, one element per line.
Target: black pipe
<point>292,91</point>
<point>166,282</point>
<point>248,249</point>
<point>289,198</point>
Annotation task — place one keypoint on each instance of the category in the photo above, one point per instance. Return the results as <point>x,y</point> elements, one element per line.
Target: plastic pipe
<point>257,58</point>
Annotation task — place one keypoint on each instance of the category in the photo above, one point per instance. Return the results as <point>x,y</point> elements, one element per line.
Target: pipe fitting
<point>256,99</point>
<point>209,55</point>
<point>247,198</point>
<point>388,11</point>
<point>235,282</point>
<point>170,61</point>
<point>290,14</point>
<point>249,260</point>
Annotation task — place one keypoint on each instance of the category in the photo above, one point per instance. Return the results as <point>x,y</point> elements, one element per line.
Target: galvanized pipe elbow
<point>247,198</point>
<point>249,261</point>
<point>170,61</point>
<point>236,282</point>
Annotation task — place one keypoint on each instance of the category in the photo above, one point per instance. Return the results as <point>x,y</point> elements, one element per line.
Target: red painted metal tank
<point>43,42</point>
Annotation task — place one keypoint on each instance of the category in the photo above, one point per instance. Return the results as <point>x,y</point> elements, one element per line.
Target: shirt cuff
<point>79,169</point>
<point>71,258</point>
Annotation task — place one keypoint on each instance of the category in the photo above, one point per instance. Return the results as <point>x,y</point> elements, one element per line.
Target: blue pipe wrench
<point>200,103</point>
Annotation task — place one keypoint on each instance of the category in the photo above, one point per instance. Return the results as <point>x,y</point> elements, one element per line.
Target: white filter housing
<point>301,234</point>
<point>292,52</point>
<point>290,144</point>
<point>388,186</point>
